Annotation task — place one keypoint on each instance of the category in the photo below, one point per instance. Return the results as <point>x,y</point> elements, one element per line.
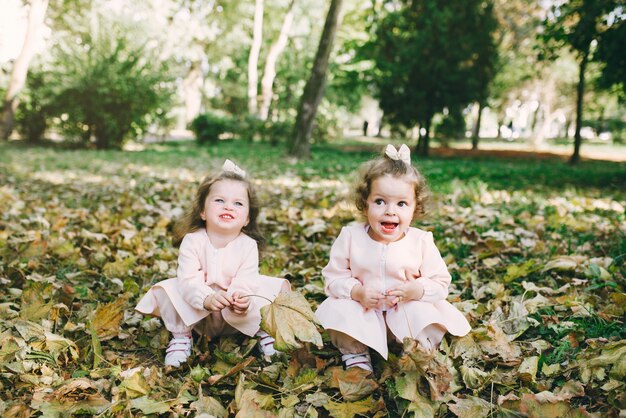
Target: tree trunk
<point>36,16</point>
<point>192,85</point>
<point>476,130</point>
<point>422,143</point>
<point>253,58</point>
<point>580,91</point>
<point>314,88</point>
<point>269,73</point>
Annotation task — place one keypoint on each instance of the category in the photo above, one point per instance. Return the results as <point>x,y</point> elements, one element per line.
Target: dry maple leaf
<point>289,318</point>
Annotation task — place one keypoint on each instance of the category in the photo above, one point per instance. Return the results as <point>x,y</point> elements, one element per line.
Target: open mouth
<point>389,227</point>
<point>227,217</point>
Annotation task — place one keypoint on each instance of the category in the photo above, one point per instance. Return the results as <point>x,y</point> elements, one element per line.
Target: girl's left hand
<point>410,290</point>
<point>240,303</point>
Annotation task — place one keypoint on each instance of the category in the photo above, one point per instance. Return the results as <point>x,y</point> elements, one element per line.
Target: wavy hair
<point>191,220</point>
<point>381,166</point>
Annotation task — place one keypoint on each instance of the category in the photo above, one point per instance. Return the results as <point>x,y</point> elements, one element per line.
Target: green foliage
<point>610,52</point>
<point>431,55</point>
<point>452,125</point>
<point>208,127</point>
<point>33,113</point>
<point>107,86</point>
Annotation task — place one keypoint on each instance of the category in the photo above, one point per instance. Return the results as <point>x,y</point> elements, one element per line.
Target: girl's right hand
<point>367,296</point>
<point>218,301</point>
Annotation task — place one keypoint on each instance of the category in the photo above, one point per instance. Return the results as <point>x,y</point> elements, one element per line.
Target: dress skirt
<point>248,323</point>
<point>369,326</point>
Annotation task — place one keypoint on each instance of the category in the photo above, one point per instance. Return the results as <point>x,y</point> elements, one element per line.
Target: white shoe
<point>266,344</point>
<point>178,351</point>
<point>362,360</point>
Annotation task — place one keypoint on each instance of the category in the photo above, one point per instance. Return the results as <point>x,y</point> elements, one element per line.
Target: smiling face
<point>226,207</point>
<point>390,207</point>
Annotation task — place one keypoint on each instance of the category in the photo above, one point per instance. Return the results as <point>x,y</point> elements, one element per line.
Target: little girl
<point>384,275</point>
<point>218,267</point>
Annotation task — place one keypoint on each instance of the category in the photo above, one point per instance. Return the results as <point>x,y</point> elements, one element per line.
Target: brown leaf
<point>250,405</point>
<point>74,396</point>
<point>353,383</point>
<point>107,318</point>
<point>470,407</point>
<point>289,318</point>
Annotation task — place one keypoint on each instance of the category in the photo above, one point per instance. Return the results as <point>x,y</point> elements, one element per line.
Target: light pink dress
<point>355,258</point>
<point>203,270</point>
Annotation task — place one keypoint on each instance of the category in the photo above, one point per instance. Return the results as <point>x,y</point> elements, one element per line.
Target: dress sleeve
<point>190,275</point>
<point>434,272</point>
<point>338,280</point>
<point>247,276</point>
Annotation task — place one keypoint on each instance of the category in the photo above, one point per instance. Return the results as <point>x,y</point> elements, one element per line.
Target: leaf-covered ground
<point>537,251</point>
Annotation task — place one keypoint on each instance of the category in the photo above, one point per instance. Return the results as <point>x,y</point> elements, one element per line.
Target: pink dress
<point>356,258</point>
<point>203,270</point>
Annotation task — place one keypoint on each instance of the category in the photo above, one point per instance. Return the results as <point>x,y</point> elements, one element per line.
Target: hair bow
<point>233,168</point>
<point>403,153</point>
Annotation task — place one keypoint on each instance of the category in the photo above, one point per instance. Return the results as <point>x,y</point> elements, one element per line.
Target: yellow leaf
<point>470,407</point>
<point>135,385</point>
<point>528,369</point>
<point>289,319</point>
<point>119,268</point>
<point>473,377</point>
<point>406,385</point>
<point>77,395</point>
<point>251,405</point>
<point>207,405</point>
<point>150,406</point>
<point>351,409</point>
<point>107,318</point>
<point>353,383</point>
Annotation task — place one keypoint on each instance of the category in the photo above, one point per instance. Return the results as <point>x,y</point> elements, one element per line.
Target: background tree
<point>581,25</point>
<point>36,15</point>
<point>433,54</point>
<point>314,89</point>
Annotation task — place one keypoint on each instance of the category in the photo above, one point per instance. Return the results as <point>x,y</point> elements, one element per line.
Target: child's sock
<point>266,344</point>
<point>361,360</point>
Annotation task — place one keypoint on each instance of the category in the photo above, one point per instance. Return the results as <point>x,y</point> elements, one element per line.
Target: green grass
<point>328,161</point>
<point>80,229</point>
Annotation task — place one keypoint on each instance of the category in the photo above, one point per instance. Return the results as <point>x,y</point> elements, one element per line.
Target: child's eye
<point>218,200</point>
<point>402,204</point>
<point>238,203</point>
<point>379,202</point>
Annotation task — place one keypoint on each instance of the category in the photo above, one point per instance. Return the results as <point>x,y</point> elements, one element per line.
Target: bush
<point>110,90</point>
<point>452,126</point>
<point>31,117</point>
<point>208,127</point>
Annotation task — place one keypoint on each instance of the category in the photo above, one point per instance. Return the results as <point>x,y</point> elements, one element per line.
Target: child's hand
<point>240,303</point>
<point>369,297</point>
<point>218,301</point>
<point>409,290</point>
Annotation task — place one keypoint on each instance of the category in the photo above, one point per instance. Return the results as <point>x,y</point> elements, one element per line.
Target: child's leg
<point>431,336</point>
<point>179,348</point>
<point>214,325</point>
<point>354,353</point>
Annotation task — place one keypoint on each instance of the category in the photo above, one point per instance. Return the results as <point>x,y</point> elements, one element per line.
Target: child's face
<point>390,208</point>
<point>227,206</point>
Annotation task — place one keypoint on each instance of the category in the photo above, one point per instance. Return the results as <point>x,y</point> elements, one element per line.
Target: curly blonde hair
<point>382,166</point>
<point>192,221</point>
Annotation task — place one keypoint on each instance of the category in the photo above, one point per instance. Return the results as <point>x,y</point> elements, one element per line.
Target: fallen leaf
<point>351,409</point>
<point>107,318</point>
<point>289,318</point>
<point>470,407</point>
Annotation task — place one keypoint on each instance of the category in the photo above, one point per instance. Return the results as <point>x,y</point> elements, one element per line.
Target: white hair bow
<point>403,153</point>
<point>233,168</point>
